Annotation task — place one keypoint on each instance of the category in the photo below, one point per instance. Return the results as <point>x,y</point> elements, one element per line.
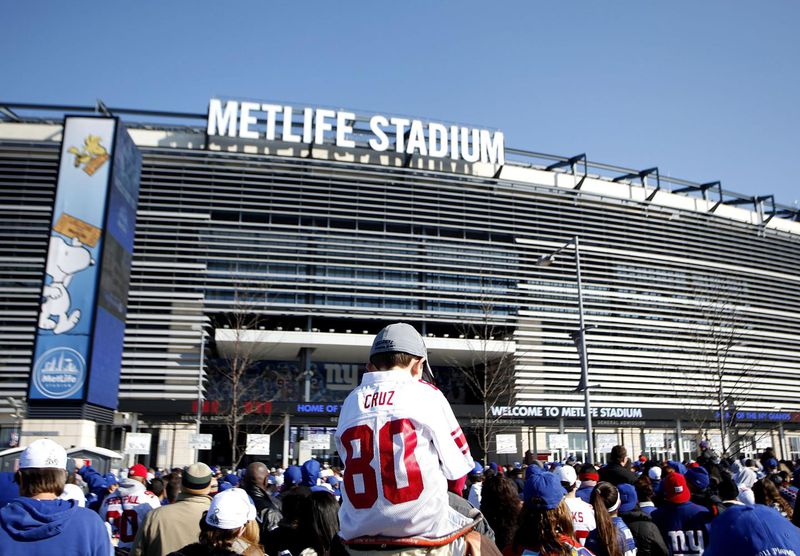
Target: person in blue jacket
<point>99,485</point>
<point>38,523</point>
<point>8,488</point>
<point>683,524</point>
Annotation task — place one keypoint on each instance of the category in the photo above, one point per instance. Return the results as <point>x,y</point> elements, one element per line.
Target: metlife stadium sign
<point>322,126</point>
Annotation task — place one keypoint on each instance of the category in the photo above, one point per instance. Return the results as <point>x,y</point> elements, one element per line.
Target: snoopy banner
<point>81,324</point>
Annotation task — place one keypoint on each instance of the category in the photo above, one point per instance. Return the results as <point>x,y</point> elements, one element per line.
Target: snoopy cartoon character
<point>64,260</point>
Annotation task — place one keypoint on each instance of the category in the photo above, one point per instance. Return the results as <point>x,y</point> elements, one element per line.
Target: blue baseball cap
<point>232,479</point>
<point>543,489</point>
<point>627,497</point>
<point>477,469</point>
<point>752,530</point>
<point>110,479</point>
<point>677,466</point>
<point>771,463</point>
<point>697,477</point>
<point>225,485</point>
<point>292,476</point>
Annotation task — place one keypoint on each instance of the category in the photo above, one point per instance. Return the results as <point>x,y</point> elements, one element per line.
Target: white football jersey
<point>582,518</point>
<point>126,509</point>
<point>400,442</point>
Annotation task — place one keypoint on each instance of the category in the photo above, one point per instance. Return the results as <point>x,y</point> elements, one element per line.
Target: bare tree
<point>232,377</point>
<point>490,373</point>
<point>723,375</point>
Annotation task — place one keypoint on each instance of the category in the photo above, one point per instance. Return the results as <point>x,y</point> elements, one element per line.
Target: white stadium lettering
<point>254,121</point>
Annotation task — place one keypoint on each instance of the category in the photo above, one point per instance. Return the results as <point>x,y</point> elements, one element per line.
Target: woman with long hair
<point>324,523</point>
<point>545,523</point>
<point>500,505</point>
<point>766,493</point>
<point>611,537</point>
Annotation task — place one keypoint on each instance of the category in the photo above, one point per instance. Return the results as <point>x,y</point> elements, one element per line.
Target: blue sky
<point>703,90</point>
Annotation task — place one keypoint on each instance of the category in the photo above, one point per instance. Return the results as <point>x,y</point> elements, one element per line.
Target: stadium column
<point>77,355</point>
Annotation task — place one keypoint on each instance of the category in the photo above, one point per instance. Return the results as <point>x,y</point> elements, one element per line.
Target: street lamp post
<point>199,415</point>
<point>579,337</point>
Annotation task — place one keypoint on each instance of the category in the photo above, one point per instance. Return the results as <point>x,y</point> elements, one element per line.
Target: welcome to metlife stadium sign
<point>322,126</point>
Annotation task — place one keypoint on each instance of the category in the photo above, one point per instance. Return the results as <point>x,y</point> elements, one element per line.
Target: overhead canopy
<point>10,451</point>
<point>111,454</point>
<point>350,348</point>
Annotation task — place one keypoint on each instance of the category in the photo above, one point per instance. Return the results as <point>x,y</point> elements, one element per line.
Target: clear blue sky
<point>705,90</point>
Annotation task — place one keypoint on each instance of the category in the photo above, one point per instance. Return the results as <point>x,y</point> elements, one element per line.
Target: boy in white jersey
<point>582,513</point>
<point>400,444</point>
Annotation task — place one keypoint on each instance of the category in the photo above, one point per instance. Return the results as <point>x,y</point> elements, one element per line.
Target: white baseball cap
<point>43,453</point>
<point>230,509</point>
<point>566,474</point>
<point>654,473</point>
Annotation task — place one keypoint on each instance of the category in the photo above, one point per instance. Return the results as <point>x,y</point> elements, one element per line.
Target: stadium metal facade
<point>694,291</point>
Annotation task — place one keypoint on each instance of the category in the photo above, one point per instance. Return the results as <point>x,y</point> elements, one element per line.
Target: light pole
<point>579,337</point>
<point>199,416</point>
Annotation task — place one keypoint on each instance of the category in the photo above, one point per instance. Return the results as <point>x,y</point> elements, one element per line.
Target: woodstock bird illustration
<point>91,156</point>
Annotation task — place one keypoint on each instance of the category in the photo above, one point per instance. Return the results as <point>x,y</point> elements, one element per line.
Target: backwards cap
<point>403,338</point>
<point>567,475</point>
<point>43,454</point>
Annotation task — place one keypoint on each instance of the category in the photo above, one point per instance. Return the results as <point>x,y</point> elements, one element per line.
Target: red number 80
<point>362,465</point>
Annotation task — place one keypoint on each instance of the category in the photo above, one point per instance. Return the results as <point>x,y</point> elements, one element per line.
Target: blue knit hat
<point>543,489</point>
<point>752,530</point>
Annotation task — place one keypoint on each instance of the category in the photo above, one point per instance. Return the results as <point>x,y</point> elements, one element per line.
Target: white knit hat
<point>43,453</point>
<point>230,509</point>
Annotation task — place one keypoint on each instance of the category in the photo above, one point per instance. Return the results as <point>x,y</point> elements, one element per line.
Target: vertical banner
<point>81,324</point>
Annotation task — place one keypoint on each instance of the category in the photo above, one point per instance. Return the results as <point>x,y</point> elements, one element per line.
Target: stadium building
<point>273,242</point>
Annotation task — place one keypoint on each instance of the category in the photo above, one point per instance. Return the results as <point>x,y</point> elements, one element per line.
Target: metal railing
<point>578,165</point>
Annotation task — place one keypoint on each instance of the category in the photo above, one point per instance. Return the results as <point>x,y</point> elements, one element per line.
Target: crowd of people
<point>712,506</point>
<point>408,487</point>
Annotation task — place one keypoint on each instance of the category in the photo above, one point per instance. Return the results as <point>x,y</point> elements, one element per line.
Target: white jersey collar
<point>375,377</point>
